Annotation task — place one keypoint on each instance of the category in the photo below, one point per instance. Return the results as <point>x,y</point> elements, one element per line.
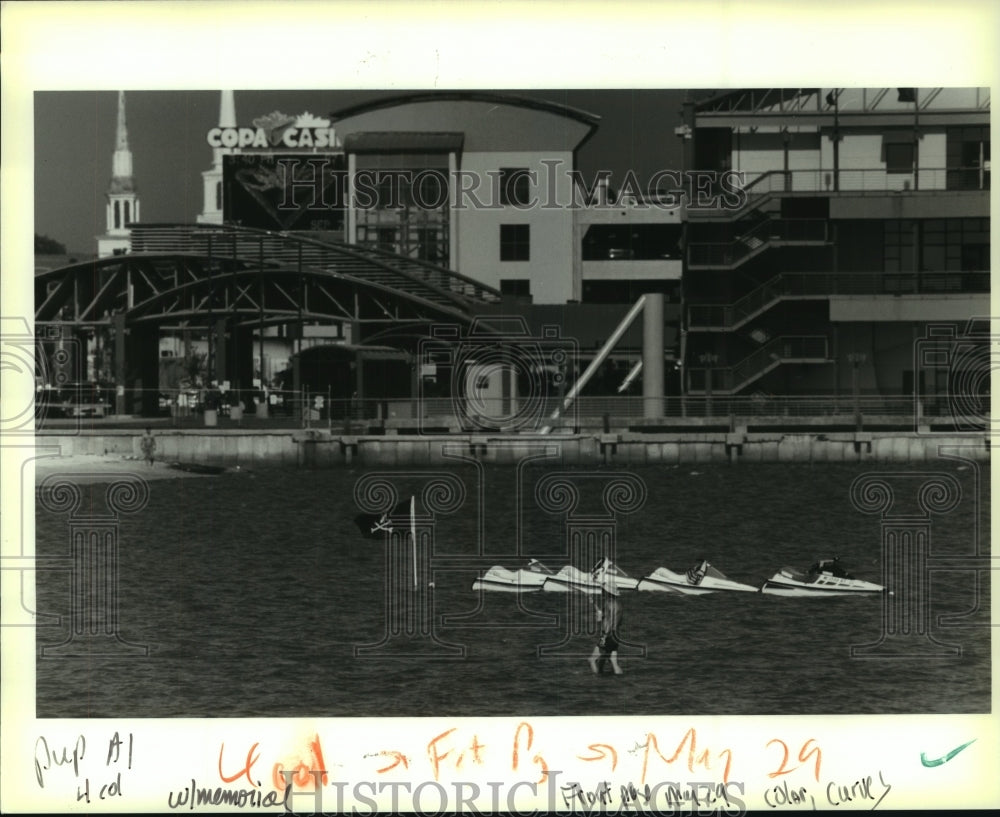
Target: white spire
<point>121,161</point>
<point>121,139</point>
<point>122,198</point>
<point>227,119</point>
<point>227,110</point>
<point>211,210</point>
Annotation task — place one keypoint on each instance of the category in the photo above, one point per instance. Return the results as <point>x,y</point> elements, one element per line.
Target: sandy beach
<point>86,468</point>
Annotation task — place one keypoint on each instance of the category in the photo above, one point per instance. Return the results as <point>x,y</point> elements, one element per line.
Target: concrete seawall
<point>320,449</point>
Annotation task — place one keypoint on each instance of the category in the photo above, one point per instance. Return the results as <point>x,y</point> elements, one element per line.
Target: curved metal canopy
<point>189,275</point>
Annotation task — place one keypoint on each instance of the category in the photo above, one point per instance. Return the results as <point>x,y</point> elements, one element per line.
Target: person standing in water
<point>609,616</point>
<point>148,445</point>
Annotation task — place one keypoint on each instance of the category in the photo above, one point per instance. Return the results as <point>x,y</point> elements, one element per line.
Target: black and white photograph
<point>625,442</point>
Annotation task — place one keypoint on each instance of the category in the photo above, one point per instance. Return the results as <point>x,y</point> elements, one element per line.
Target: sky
<point>75,138</point>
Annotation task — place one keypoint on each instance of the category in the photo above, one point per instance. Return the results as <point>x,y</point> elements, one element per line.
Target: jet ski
<point>824,578</point>
<point>608,572</point>
<point>571,578</point>
<point>604,573</point>
<point>701,578</point>
<point>504,580</point>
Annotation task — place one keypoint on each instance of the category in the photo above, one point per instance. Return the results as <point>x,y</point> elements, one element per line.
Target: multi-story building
<point>492,193</point>
<point>863,235</point>
<point>481,184</point>
<point>496,195</point>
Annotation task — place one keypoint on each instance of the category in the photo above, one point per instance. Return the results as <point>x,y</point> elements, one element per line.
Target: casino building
<point>482,184</point>
<point>472,181</point>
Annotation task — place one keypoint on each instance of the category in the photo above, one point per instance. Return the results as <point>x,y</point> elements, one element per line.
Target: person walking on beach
<point>609,616</point>
<point>148,445</point>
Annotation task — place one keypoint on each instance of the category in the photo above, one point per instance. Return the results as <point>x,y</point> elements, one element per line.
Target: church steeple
<point>211,211</point>
<point>123,199</point>
<point>121,162</point>
<point>227,110</point>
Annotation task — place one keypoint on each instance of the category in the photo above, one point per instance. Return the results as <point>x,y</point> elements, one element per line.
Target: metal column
<point>652,356</point>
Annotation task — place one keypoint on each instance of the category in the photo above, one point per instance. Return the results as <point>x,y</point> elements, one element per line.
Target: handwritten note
<point>61,765</point>
<point>512,765</point>
<point>864,792</point>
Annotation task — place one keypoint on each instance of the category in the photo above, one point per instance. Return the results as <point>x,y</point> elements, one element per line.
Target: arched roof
<point>183,274</point>
<point>489,121</point>
<point>474,96</point>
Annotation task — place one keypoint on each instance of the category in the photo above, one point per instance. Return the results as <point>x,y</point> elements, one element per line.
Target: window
<point>515,242</point>
<point>515,287</point>
<point>640,241</point>
<point>900,252</point>
<point>429,244</point>
<point>407,208</point>
<point>514,186</point>
<point>431,190</point>
<point>386,238</point>
<point>899,157</point>
<point>937,245</point>
<point>626,291</point>
<point>387,192</point>
<point>967,158</point>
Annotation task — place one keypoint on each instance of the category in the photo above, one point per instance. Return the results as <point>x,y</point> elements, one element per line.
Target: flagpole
<point>413,533</point>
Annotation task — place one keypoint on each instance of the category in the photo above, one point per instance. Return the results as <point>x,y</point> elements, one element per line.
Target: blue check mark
<point>940,761</point>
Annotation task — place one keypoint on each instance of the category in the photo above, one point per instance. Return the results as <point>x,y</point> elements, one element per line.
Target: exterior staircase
<point>757,194</point>
<point>771,232</point>
<point>785,349</point>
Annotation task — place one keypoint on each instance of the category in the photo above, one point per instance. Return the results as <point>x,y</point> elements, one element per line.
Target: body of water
<point>253,589</point>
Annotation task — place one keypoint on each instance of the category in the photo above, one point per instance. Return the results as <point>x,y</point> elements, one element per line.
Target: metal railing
<point>440,415</point>
<point>825,284</point>
<point>790,348</point>
<point>867,180</point>
<point>759,188</point>
<point>228,242</point>
<point>757,239</point>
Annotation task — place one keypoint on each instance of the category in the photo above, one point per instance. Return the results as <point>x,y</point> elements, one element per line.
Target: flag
<point>906,95</point>
<point>376,525</point>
